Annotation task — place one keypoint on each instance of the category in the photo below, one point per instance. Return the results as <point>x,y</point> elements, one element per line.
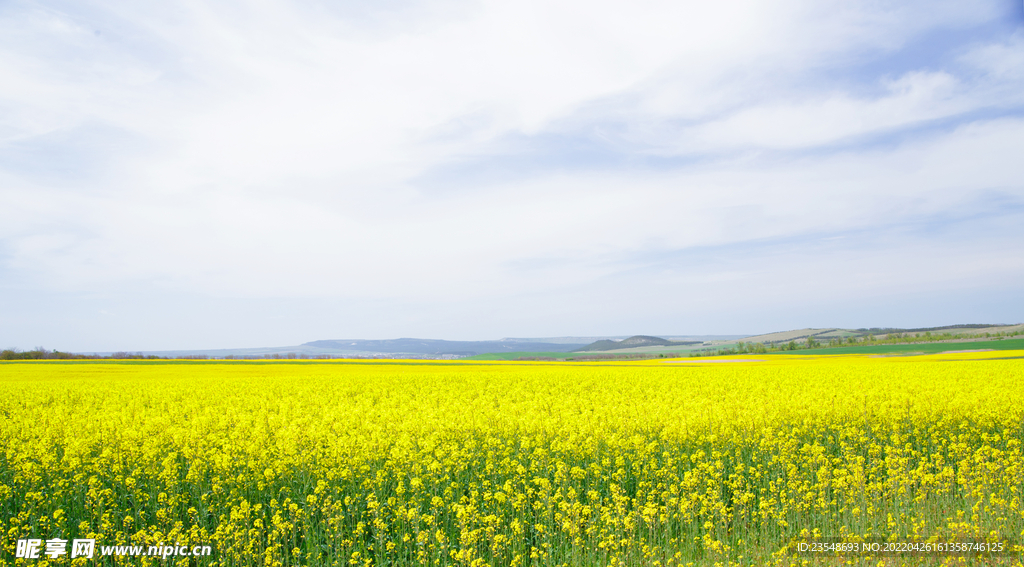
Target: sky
<point>220,174</point>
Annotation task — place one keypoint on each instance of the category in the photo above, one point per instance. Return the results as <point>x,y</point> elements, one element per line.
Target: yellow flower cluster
<point>513,464</point>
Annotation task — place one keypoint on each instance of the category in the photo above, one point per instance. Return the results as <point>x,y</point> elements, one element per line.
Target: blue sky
<point>229,174</point>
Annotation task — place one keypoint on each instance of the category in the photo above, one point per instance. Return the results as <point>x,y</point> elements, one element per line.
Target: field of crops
<point>578,464</point>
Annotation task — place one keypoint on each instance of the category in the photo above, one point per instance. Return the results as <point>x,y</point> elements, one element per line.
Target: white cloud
<point>279,149</point>
<point>801,124</point>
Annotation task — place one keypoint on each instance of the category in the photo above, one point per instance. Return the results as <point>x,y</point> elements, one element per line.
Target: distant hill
<point>801,335</point>
<point>955,328</point>
<point>633,342</point>
<point>560,340</point>
<point>435,346</point>
<point>551,346</point>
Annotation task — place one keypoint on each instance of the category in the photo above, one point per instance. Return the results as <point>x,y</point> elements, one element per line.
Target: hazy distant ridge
<point>435,346</point>
<point>429,348</point>
<point>633,342</point>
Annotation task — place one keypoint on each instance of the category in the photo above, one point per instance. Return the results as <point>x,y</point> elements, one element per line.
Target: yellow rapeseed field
<point>394,463</point>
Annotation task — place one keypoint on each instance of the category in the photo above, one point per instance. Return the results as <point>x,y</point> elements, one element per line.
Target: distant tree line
<point>40,353</point>
<point>279,356</point>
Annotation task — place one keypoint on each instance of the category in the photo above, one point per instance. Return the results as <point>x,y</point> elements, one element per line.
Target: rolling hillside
<point>633,342</point>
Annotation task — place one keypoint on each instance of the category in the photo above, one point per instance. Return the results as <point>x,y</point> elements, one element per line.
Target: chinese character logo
<point>28,548</point>
<point>83,548</point>
<point>56,547</point>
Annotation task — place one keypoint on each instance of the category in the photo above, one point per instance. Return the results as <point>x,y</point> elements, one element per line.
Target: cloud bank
<point>216,174</point>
